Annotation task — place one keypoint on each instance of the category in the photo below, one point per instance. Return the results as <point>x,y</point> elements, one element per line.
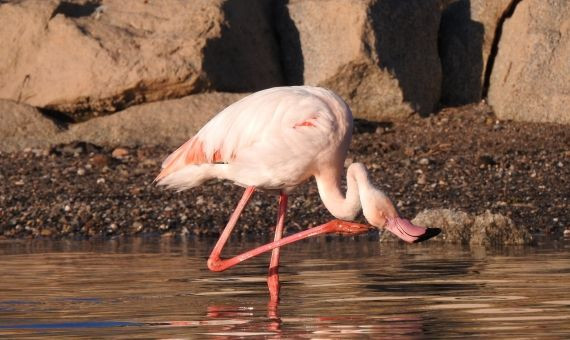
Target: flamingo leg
<point>214,262</point>
<point>334,226</point>
<point>273,276</point>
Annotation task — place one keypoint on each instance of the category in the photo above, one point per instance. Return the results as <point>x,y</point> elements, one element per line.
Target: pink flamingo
<point>274,140</point>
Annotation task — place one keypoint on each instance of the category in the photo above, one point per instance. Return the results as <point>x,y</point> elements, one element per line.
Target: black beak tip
<point>430,232</point>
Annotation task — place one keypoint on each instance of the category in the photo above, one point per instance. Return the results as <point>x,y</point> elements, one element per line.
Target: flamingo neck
<point>359,191</point>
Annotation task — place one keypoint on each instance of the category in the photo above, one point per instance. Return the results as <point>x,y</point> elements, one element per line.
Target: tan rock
<point>466,36</point>
<point>460,227</point>
<point>120,153</point>
<point>169,122</point>
<point>394,43</point>
<point>86,58</point>
<point>530,77</point>
<point>23,126</point>
<point>371,93</point>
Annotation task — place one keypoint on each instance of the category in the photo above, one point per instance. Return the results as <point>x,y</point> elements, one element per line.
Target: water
<point>331,288</point>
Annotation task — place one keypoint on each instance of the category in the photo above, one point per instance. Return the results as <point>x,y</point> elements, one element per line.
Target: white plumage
<point>272,139</point>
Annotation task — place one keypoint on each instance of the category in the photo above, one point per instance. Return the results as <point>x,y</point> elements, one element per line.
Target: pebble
<point>100,180</point>
<point>422,179</point>
<point>99,160</point>
<point>112,228</point>
<point>423,161</point>
<point>19,182</point>
<point>120,153</point>
<point>81,171</point>
<point>137,226</point>
<point>46,232</point>
<point>567,232</point>
<point>67,208</point>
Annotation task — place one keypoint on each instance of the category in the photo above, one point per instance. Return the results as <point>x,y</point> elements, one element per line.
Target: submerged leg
<point>273,276</point>
<point>214,262</point>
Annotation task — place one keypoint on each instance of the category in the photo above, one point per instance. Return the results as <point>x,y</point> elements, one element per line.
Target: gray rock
<point>380,55</point>
<point>87,58</point>
<point>23,126</point>
<point>460,227</point>
<point>529,80</point>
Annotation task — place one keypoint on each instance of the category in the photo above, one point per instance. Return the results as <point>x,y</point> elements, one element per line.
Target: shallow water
<point>331,288</point>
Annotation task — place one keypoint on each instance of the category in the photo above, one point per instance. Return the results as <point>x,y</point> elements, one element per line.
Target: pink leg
<point>273,277</point>
<point>214,262</point>
<point>334,226</point>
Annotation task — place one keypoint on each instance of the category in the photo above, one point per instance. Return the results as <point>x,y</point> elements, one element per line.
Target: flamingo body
<point>273,139</point>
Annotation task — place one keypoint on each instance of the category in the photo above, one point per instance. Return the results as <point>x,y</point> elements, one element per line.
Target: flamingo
<point>274,140</point>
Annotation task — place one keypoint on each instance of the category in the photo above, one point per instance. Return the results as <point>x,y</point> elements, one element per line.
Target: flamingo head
<point>381,213</point>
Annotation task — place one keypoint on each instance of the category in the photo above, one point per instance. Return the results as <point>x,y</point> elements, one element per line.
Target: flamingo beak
<point>409,232</point>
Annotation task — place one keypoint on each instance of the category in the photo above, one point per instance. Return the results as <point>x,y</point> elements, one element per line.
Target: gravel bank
<point>460,159</point>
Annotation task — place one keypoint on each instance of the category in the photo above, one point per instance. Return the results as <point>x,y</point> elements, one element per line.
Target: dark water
<point>335,288</point>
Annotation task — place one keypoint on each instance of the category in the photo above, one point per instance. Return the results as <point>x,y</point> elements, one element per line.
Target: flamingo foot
<point>409,232</point>
<point>347,228</point>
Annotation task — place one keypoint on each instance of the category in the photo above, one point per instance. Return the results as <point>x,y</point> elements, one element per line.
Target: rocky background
<point>142,74</point>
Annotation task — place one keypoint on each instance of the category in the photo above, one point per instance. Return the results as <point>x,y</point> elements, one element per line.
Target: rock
<point>86,58</point>
<point>466,36</point>
<point>424,161</point>
<point>120,153</point>
<point>422,179</point>
<point>245,57</point>
<point>22,126</point>
<point>99,160</point>
<point>460,227</point>
<point>169,122</point>
<point>372,94</point>
<point>529,81</point>
<point>496,229</point>
<point>380,55</point>
<point>75,148</point>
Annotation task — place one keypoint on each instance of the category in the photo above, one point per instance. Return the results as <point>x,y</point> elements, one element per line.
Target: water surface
<point>331,288</point>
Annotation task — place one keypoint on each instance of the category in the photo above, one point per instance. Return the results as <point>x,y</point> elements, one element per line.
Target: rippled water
<point>331,288</point>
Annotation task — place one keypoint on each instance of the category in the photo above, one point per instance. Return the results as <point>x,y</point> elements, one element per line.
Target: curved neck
<point>344,206</point>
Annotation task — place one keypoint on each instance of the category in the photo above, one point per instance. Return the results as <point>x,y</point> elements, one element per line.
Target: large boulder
<point>23,126</point>
<point>84,58</point>
<point>381,55</point>
<point>531,73</point>
<point>168,122</point>
<point>460,227</point>
<point>466,37</point>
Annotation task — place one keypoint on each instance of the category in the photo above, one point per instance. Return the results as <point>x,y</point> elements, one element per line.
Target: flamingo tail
<point>191,176</point>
